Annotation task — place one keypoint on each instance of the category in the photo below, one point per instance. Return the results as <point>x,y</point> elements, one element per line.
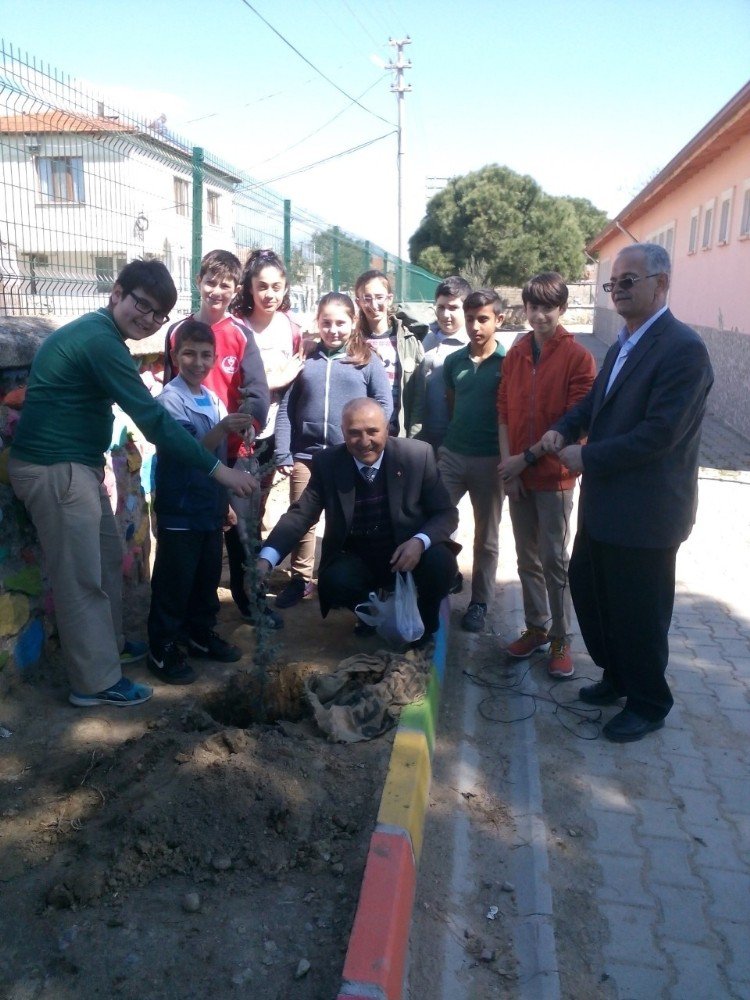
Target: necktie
<point>368,474</point>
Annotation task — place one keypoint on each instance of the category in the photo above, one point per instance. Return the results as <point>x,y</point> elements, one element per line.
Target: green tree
<point>504,219</point>
<point>590,218</point>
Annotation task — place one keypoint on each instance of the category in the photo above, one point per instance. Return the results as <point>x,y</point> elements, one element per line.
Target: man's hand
<point>285,470</point>
<point>572,458</point>
<point>230,519</point>
<point>514,465</point>
<point>241,483</point>
<point>552,442</point>
<point>407,555</point>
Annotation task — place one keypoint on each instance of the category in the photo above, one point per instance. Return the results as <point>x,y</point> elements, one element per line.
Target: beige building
<point>698,208</point>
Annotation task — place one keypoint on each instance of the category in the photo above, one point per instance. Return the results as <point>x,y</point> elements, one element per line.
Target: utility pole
<point>399,88</point>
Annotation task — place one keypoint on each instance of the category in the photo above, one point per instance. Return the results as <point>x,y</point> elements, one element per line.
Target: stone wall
<point>27,623</point>
<point>730,356</point>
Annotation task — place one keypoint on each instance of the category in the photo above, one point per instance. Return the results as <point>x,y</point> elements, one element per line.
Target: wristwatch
<point>529,457</point>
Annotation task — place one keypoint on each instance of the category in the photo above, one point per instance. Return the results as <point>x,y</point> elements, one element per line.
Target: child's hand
<point>285,470</point>
<point>230,519</point>
<point>236,423</point>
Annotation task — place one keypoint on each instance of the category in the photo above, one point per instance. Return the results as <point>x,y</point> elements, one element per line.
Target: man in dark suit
<point>639,488</point>
<point>386,510</point>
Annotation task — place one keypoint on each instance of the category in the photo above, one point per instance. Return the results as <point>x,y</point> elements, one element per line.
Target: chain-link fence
<point>86,187</point>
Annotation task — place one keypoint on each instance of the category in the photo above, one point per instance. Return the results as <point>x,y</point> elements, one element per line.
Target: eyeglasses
<point>626,283</point>
<point>144,307</point>
<point>369,300</point>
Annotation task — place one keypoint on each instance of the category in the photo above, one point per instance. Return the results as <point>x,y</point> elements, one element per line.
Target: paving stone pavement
<point>670,815</point>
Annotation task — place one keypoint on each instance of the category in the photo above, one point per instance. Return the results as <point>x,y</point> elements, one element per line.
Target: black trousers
<point>187,571</point>
<point>623,598</point>
<point>348,579</point>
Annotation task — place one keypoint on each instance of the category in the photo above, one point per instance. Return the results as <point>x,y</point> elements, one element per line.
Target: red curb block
<point>376,957</point>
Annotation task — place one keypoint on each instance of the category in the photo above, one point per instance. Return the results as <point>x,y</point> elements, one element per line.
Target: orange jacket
<point>532,397</point>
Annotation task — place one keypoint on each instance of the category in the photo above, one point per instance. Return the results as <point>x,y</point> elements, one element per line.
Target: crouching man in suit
<point>386,510</point>
<point>639,490</point>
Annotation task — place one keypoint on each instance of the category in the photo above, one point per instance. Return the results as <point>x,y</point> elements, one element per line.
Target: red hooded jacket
<point>532,397</point>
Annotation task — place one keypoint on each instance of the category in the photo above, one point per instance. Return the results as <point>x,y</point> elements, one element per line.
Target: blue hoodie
<point>309,418</point>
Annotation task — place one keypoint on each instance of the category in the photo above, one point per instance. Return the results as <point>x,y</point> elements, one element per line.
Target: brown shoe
<point>528,642</point>
<point>560,662</point>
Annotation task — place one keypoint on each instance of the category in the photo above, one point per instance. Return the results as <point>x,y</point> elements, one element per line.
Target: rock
<point>508,887</point>
<point>222,863</point>
<point>242,977</point>
<point>60,897</point>
<point>191,902</point>
<point>303,967</point>
<point>487,955</point>
<point>87,885</point>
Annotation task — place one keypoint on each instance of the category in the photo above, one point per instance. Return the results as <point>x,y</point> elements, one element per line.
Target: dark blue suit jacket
<point>640,464</point>
<point>417,498</point>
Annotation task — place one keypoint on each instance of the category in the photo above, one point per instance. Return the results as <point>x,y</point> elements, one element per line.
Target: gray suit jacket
<point>417,498</point>
<point>640,464</point>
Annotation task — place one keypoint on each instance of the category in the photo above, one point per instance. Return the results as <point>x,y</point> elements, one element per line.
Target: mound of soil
<point>190,848</point>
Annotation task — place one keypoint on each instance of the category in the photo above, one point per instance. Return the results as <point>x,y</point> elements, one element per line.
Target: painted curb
<point>376,956</point>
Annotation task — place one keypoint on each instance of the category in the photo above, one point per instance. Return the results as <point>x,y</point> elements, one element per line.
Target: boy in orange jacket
<point>544,374</point>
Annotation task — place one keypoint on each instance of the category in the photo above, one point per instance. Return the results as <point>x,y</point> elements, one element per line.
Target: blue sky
<point>590,98</point>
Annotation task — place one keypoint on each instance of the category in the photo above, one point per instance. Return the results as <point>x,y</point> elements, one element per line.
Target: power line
<point>314,132</point>
<point>360,23</point>
<point>312,65</point>
<point>310,166</point>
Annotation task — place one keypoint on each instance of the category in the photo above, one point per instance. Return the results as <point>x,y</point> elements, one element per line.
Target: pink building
<point>698,208</point>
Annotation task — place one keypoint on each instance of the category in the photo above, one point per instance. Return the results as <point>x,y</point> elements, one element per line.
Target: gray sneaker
<point>473,620</point>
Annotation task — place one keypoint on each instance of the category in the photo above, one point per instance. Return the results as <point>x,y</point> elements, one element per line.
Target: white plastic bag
<point>396,619</point>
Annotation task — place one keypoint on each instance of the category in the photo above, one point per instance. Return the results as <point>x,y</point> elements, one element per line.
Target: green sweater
<point>78,372</point>
<point>473,429</point>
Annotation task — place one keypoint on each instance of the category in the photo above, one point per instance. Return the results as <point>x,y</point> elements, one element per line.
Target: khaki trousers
<point>542,530</point>
<point>477,476</point>
<point>83,555</point>
<point>303,554</point>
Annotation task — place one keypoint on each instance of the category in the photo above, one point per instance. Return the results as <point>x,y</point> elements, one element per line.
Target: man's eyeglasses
<point>626,283</point>
<point>369,300</point>
<point>144,307</point>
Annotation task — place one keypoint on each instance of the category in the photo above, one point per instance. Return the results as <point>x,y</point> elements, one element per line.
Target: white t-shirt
<point>276,346</point>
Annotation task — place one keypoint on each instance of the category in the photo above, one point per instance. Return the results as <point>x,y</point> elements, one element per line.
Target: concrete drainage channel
<point>377,955</point>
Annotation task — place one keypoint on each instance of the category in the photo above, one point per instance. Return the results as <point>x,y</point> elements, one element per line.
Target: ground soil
<point>181,850</point>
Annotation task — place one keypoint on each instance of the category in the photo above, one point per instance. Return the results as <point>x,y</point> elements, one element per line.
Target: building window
<point>708,222</point>
<point>745,219</point>
<point>181,196</point>
<point>725,213</point>
<point>35,260</point>
<point>693,238</point>
<point>107,269</point>
<point>212,208</point>
<point>183,274</point>
<point>664,237</point>
<point>61,178</point>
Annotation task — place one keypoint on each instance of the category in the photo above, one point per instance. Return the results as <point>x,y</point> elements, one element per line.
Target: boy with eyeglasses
<point>57,469</point>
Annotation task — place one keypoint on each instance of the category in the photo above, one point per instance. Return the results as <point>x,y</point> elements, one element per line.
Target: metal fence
<point>86,187</point>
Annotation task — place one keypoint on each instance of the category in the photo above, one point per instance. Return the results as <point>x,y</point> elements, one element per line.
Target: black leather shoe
<point>601,693</point>
<point>627,727</point>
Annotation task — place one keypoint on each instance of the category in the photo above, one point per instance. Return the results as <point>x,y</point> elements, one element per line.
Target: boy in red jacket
<point>544,374</point>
